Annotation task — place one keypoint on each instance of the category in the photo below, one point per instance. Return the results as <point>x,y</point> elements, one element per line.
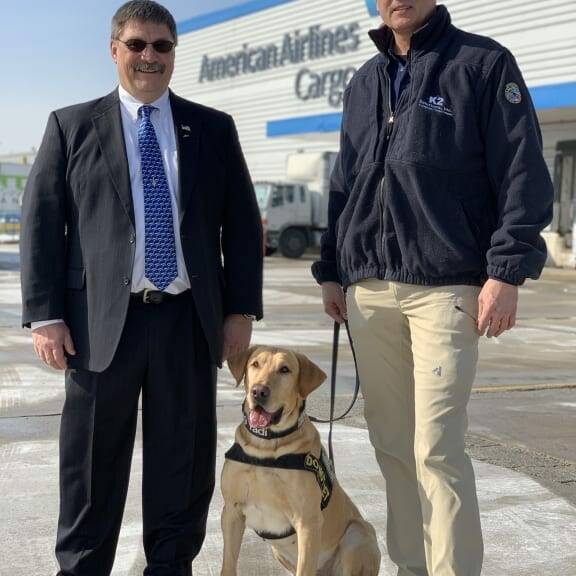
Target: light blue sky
<point>55,53</point>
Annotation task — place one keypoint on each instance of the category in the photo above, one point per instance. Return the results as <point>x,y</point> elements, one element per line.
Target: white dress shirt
<point>164,127</point>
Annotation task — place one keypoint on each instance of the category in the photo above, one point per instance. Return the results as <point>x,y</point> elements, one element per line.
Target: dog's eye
<point>284,370</point>
<point>255,364</point>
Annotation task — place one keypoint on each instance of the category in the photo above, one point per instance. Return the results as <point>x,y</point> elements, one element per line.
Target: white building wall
<point>540,33</point>
<point>256,99</point>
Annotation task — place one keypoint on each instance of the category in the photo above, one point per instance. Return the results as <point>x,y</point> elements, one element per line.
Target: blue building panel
<point>554,96</point>
<point>371,5</point>
<point>231,13</point>
<point>544,97</point>
<point>304,125</point>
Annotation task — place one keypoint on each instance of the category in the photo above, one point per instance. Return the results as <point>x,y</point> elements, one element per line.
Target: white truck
<point>295,211</point>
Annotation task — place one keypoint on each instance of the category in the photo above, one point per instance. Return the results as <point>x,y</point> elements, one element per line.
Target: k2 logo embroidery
<point>512,93</point>
<point>436,104</point>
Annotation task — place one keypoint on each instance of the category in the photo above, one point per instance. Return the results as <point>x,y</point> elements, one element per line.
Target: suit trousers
<point>417,355</point>
<point>162,355</point>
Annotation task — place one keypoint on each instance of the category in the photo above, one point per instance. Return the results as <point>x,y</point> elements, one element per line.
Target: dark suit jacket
<point>78,233</point>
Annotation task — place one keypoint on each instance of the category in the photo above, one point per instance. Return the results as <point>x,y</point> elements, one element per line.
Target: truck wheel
<point>293,243</point>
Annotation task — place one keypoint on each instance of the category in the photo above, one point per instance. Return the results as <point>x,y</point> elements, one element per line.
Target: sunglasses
<point>138,45</point>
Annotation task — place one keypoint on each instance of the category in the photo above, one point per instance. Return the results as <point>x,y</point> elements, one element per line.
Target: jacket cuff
<point>252,309</point>
<point>258,315</point>
<point>505,275</point>
<point>325,272</point>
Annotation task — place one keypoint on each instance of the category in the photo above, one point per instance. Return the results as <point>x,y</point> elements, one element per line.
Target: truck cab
<point>295,211</point>
<point>286,214</point>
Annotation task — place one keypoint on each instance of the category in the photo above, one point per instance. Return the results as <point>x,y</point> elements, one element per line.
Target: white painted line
<point>10,294</point>
<point>228,397</point>
<point>29,384</point>
<point>26,384</point>
<point>552,337</point>
<point>288,338</point>
<point>302,275</point>
<point>284,298</point>
<point>15,339</point>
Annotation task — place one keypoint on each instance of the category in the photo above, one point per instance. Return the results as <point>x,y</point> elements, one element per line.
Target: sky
<point>56,53</point>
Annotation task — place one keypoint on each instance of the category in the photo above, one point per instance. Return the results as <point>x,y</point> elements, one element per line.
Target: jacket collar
<point>423,40</point>
<point>188,127</point>
<point>108,125</point>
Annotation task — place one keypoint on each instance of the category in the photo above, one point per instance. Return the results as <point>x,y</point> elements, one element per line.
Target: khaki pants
<point>417,356</point>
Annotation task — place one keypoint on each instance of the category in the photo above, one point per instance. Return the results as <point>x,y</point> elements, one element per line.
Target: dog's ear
<point>310,375</point>
<point>238,362</point>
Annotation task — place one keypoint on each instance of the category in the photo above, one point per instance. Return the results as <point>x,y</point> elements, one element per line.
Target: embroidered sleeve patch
<point>512,93</point>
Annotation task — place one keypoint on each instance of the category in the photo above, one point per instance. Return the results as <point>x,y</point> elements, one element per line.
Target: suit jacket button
<point>126,281</point>
<point>132,239</point>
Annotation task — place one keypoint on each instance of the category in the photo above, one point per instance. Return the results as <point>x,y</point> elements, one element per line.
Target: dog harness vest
<point>320,467</point>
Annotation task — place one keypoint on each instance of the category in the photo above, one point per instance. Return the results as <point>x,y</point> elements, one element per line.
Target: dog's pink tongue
<point>259,418</point>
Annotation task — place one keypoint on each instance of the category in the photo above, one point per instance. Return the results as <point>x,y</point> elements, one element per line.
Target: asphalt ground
<point>522,433</point>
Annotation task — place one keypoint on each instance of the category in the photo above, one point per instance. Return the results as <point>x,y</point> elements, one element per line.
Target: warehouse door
<point>565,188</point>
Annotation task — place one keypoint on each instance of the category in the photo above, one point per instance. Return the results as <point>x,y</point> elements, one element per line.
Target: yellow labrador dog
<point>277,480</point>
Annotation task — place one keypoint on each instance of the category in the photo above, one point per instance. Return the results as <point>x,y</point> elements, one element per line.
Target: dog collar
<point>268,434</point>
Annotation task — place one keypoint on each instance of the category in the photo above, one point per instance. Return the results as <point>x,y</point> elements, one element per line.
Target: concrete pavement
<point>529,529</point>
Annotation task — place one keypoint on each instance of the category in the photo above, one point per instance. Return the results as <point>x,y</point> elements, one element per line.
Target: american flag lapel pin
<point>186,129</point>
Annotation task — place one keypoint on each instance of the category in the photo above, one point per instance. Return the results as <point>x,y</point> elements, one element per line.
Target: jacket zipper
<point>388,135</point>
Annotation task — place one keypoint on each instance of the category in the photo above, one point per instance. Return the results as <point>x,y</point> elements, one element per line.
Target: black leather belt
<point>154,296</point>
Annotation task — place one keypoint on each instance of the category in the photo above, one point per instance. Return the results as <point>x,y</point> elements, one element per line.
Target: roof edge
<point>226,14</point>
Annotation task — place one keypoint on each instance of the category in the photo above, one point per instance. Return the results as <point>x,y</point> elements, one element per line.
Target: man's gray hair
<point>142,11</point>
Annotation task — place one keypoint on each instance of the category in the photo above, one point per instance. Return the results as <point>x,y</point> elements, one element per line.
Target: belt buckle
<point>146,296</point>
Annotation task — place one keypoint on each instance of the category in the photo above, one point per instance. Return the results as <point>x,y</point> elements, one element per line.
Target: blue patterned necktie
<point>160,266</point>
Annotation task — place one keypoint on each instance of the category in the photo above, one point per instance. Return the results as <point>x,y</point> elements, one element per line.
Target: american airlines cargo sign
<point>298,47</point>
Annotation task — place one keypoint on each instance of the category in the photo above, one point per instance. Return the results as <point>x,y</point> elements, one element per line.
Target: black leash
<point>335,342</point>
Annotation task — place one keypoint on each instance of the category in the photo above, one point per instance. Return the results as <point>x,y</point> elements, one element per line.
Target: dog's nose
<point>260,392</point>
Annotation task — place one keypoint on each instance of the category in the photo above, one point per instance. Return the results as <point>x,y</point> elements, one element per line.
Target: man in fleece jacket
<point>437,202</point>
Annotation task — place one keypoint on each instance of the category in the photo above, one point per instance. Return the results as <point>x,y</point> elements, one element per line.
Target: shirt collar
<point>423,40</point>
<point>131,104</point>
<point>400,60</point>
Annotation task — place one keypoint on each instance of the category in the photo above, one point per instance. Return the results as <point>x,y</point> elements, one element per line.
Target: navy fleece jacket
<point>450,189</point>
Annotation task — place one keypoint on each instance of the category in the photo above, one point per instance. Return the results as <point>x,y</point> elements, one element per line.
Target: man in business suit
<point>141,271</point>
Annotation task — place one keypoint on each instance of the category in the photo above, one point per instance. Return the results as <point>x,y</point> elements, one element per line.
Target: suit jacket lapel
<point>188,130</point>
<point>108,126</point>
